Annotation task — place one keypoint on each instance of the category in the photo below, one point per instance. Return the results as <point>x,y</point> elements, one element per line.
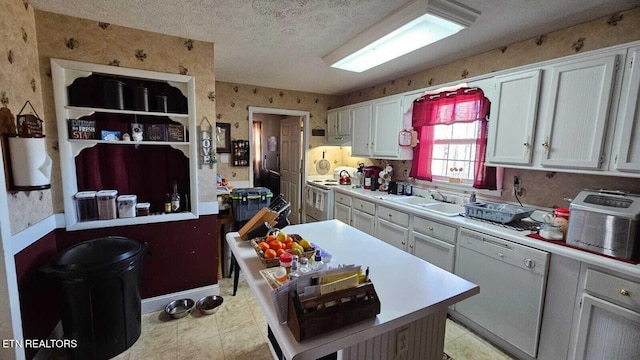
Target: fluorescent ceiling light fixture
<point>411,27</point>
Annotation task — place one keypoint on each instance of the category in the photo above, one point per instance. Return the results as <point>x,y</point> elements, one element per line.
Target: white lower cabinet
<point>392,234</point>
<point>434,251</point>
<point>342,212</point>
<point>609,318</point>
<point>363,222</point>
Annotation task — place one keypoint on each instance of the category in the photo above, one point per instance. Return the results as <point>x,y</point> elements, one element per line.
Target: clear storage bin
<point>142,209</point>
<point>107,209</point>
<point>86,205</point>
<point>127,206</point>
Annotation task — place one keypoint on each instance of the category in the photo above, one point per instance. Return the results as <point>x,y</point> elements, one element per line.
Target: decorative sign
<point>155,132</point>
<point>82,129</point>
<point>175,133</point>
<point>207,155</point>
<point>29,125</point>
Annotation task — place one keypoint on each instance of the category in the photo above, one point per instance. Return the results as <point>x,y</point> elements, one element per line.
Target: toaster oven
<point>606,222</point>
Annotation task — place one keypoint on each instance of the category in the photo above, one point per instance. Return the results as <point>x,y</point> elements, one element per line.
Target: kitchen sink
<point>445,209</point>
<point>414,200</point>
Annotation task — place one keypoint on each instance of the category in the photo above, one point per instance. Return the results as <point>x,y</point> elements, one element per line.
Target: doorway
<point>278,152</point>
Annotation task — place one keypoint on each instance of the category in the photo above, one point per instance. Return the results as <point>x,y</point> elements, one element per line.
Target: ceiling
<point>280,43</point>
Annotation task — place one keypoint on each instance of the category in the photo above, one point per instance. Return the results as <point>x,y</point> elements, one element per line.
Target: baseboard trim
<point>159,302</point>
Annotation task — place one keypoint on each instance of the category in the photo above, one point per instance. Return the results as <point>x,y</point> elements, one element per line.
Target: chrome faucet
<point>444,198</point>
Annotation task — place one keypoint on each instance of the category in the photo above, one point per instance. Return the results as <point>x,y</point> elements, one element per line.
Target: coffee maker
<point>371,177</point>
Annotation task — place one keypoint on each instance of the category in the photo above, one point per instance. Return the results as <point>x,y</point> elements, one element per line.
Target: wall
<point>233,107</point>
<point>541,188</point>
<point>20,82</point>
<point>66,37</point>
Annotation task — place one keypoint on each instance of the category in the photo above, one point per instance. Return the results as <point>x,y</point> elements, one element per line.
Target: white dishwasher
<point>512,280</point>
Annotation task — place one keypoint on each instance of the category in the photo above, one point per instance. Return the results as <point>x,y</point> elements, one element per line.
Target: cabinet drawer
<point>613,288</point>
<point>343,199</point>
<point>434,229</point>
<point>393,216</point>
<point>364,206</point>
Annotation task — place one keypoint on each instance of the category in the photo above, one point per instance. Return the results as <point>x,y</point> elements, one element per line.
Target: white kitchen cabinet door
<point>387,123</point>
<point>332,122</point>
<point>513,118</point>
<point>344,122</point>
<point>577,113</point>
<point>434,251</point>
<point>628,143</point>
<point>342,212</point>
<point>361,130</point>
<point>392,234</point>
<point>606,331</point>
<point>363,222</point>
<point>408,99</point>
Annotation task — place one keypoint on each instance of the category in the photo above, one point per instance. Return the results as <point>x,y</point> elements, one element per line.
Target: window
<point>452,132</point>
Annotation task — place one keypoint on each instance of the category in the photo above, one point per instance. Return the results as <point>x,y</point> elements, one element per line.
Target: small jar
<point>127,206</point>
<point>107,209</point>
<point>142,209</point>
<point>561,217</point>
<point>285,261</point>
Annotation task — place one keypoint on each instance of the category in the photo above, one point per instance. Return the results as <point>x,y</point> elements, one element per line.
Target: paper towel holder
<point>27,162</point>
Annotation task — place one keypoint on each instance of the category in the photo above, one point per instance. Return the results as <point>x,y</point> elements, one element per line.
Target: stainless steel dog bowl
<point>179,308</point>
<point>209,304</point>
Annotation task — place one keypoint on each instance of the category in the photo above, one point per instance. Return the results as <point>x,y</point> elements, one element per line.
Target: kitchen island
<point>414,297</point>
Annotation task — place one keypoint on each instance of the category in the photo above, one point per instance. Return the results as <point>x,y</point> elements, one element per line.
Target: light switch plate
<point>224,158</point>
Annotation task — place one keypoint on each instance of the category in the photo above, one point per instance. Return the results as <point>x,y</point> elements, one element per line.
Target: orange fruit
<point>275,245</point>
<point>270,238</point>
<point>263,246</point>
<point>288,245</point>
<point>270,254</point>
<point>279,252</point>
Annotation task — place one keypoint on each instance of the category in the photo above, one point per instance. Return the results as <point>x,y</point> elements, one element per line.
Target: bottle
<point>304,266</point>
<point>317,261</point>
<point>175,198</point>
<point>167,203</point>
<point>472,198</point>
<point>295,272</point>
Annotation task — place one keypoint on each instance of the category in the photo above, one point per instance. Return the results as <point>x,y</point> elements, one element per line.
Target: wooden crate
<point>311,317</point>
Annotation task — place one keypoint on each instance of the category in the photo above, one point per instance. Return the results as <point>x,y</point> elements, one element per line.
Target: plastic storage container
<point>247,201</point>
<point>107,209</point>
<point>142,209</point>
<point>127,206</point>
<point>86,205</point>
<point>100,286</point>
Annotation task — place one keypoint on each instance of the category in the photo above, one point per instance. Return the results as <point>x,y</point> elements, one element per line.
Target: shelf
<point>90,110</point>
<point>94,142</point>
<point>131,221</point>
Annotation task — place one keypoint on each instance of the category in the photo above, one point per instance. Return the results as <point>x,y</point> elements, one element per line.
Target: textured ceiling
<point>280,43</point>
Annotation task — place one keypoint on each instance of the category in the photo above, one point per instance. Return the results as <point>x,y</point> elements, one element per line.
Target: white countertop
<point>408,287</point>
<point>495,230</point>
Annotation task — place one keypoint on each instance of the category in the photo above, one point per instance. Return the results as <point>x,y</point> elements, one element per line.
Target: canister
<point>127,206</point>
<point>107,209</point>
<point>142,209</point>
<point>86,205</point>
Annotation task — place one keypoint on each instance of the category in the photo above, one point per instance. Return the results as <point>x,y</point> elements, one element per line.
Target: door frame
<point>304,145</point>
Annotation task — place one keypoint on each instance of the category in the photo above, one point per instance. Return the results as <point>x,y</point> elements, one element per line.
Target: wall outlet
<point>402,341</point>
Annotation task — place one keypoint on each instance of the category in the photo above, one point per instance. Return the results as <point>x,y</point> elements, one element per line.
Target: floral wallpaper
<point>65,37</point>
<point>233,101</point>
<point>20,82</point>
<point>545,189</point>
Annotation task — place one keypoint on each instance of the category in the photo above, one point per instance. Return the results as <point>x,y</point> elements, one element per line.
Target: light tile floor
<point>239,331</point>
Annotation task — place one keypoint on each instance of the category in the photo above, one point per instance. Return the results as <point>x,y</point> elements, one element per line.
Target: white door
<point>290,164</point>
<point>577,113</point>
<point>628,145</point>
<point>344,122</point>
<point>392,234</point>
<point>513,118</point>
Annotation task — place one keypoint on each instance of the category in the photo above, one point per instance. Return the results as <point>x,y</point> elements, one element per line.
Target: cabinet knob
<point>430,228</point>
<point>545,144</point>
<point>403,243</point>
<point>624,292</point>
<point>529,263</point>
<point>501,255</point>
<point>410,246</point>
<point>526,143</point>
<point>361,205</point>
<point>390,216</point>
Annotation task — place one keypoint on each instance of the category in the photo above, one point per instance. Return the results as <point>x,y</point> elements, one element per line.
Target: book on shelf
<point>82,129</point>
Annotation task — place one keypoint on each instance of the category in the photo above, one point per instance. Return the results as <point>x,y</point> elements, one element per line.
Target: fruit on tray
<point>272,246</point>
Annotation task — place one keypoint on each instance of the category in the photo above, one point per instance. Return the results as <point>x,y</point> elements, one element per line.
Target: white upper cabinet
<point>513,118</point>
<point>361,135</point>
<point>627,143</point>
<point>338,126</point>
<point>387,123</point>
<point>576,112</point>
<point>376,126</point>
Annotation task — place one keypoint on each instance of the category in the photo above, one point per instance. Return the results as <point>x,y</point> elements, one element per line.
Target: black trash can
<point>100,287</point>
